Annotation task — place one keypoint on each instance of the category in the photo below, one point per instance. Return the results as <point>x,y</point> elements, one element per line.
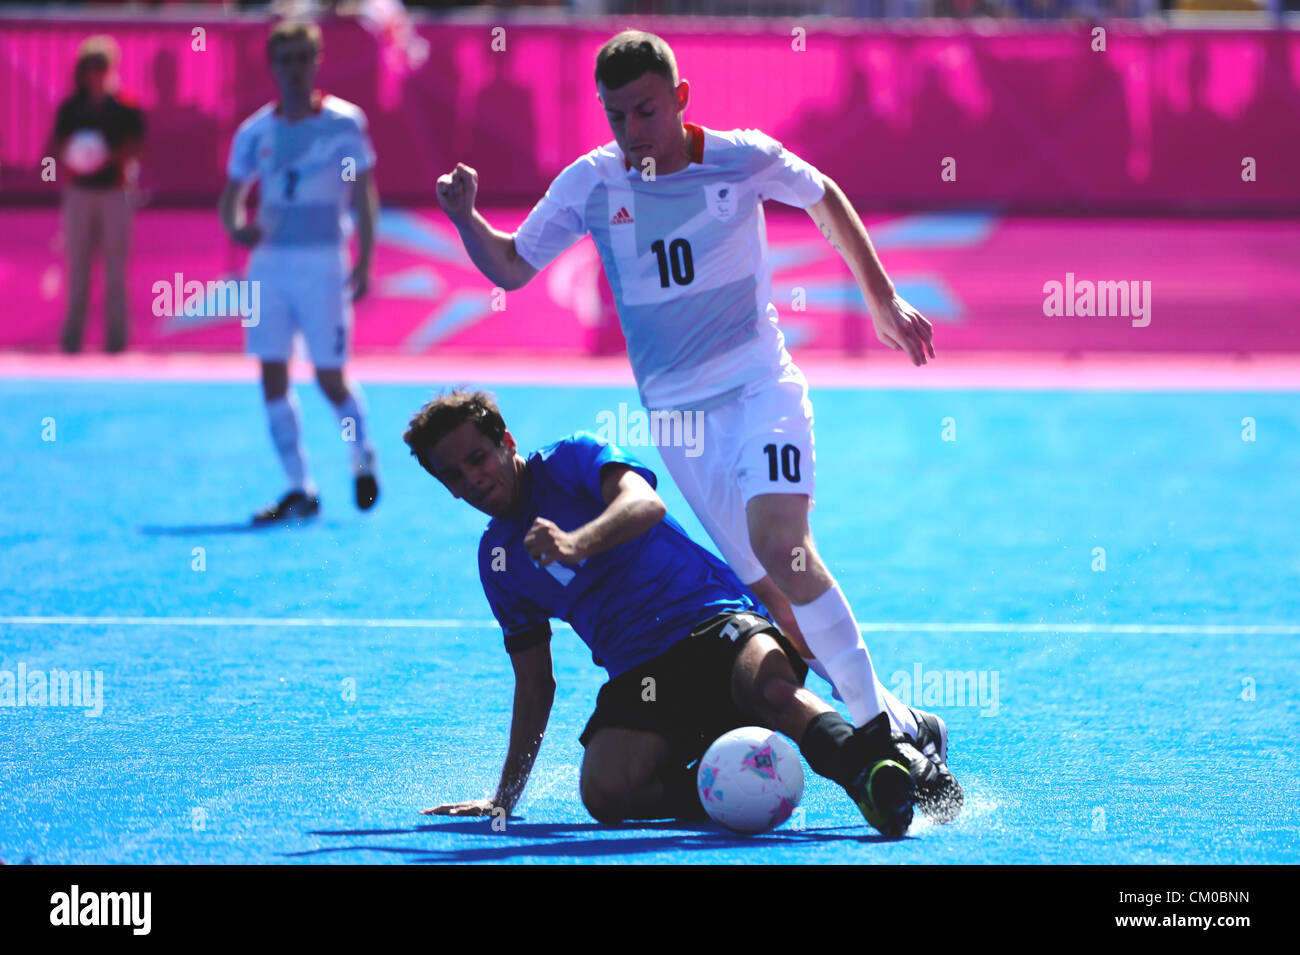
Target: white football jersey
<point>306,169</point>
<point>686,257</point>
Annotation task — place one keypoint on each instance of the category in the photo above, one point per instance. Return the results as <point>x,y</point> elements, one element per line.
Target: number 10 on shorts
<point>789,460</point>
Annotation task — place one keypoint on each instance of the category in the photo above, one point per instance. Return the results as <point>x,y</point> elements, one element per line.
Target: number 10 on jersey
<point>675,262</point>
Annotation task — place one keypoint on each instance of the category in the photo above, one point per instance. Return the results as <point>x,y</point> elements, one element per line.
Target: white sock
<point>282,413</point>
<point>900,714</point>
<point>352,427</point>
<point>816,666</point>
<point>832,634</point>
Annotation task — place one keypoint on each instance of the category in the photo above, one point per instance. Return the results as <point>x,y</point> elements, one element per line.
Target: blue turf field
<point>318,741</point>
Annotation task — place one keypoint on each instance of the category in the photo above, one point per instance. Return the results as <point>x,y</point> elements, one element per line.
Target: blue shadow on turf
<point>184,530</point>
<point>587,840</point>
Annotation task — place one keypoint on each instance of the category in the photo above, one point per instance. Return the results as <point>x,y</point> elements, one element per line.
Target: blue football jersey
<point>630,603</point>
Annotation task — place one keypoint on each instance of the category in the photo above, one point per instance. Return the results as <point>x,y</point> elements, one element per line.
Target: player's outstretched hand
<point>457,191</point>
<point>471,807</point>
<point>546,544</point>
<point>903,328</point>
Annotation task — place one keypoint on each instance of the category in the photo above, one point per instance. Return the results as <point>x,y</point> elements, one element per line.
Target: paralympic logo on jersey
<point>721,200</point>
<point>637,428</point>
<point>220,298</point>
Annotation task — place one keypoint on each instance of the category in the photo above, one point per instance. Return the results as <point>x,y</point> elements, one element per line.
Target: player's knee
<point>778,692</point>
<point>603,796</point>
<point>772,683</point>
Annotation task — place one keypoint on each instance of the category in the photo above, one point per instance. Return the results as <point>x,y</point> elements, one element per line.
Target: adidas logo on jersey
<point>622,217</point>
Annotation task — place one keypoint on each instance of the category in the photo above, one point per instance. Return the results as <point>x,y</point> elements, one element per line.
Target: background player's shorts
<point>759,442</point>
<point>302,290</point>
<point>692,703</point>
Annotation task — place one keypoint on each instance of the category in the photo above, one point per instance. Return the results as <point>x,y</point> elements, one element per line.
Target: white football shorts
<point>758,442</point>
<point>301,290</point>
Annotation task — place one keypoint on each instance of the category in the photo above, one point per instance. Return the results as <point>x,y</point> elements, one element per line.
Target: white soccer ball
<point>750,780</point>
<point>86,151</point>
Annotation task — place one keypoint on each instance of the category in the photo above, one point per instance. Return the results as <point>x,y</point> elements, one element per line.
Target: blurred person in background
<point>311,156</point>
<point>97,141</point>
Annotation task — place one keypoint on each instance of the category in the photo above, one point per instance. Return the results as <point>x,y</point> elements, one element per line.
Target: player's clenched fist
<point>457,191</point>
<point>546,544</point>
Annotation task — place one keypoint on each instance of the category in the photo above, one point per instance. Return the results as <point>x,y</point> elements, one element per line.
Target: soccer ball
<point>85,152</point>
<point>750,780</point>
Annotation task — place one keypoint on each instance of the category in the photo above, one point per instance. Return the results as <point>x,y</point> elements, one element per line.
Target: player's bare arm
<point>897,323</point>
<point>632,508</point>
<point>233,217</point>
<point>493,252</point>
<point>365,203</point>
<point>534,695</point>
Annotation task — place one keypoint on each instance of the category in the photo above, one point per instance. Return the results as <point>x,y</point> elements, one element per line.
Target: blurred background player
<point>578,533</point>
<point>97,141</point>
<point>675,211</point>
<point>311,155</point>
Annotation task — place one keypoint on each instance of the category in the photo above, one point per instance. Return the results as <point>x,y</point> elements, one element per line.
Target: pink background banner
<point>1034,118</point>
<point>1222,285</point>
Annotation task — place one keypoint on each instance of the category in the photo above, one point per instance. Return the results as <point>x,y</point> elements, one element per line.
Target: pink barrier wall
<point>1217,285</point>
<point>1159,122</point>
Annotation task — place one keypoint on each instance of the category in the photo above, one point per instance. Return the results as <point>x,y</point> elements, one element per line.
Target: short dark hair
<point>632,54</point>
<point>287,30</point>
<point>98,52</point>
<point>447,412</point>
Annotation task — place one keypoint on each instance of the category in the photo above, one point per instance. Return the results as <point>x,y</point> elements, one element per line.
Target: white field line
<point>402,623</point>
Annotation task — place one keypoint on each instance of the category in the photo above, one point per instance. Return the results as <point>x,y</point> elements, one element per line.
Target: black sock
<point>824,745</point>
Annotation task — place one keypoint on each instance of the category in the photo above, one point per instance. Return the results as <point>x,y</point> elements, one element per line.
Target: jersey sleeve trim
<point>784,176</point>
<point>527,639</point>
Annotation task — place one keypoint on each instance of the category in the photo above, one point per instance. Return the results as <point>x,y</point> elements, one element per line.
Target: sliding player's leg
<point>873,764</point>
<point>631,774</point>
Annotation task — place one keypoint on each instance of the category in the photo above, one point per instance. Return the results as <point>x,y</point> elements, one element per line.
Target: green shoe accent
<point>890,794</point>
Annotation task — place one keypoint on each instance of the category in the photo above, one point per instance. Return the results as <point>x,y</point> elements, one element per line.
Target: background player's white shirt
<point>686,257</point>
<point>301,166</point>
